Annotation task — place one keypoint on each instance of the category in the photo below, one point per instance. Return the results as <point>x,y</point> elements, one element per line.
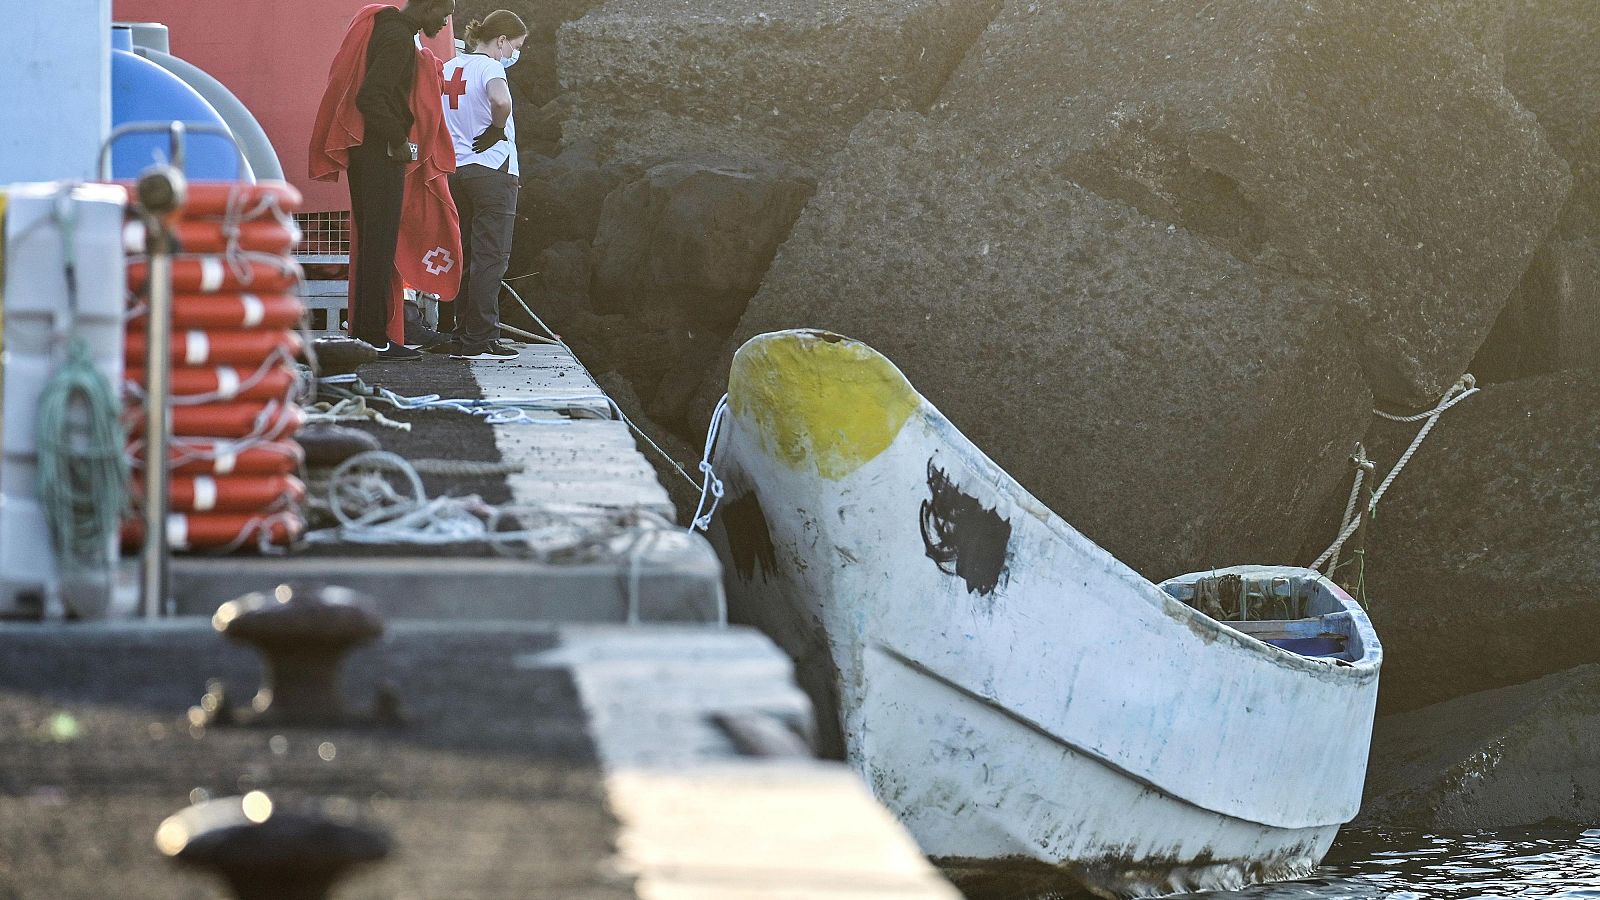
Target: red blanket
<point>428,255</point>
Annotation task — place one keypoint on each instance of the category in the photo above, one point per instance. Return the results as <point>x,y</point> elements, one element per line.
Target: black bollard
<point>265,853</point>
<point>302,636</point>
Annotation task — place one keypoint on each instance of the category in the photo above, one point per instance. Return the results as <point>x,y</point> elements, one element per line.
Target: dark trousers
<point>377,190</point>
<point>486,199</point>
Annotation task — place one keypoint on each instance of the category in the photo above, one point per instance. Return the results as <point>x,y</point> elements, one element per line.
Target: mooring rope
<point>711,486</point>
<point>1464,387</point>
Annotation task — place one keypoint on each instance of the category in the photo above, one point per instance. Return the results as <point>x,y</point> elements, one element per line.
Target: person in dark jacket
<point>378,164</point>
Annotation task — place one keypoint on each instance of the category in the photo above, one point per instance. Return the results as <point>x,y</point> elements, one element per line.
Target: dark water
<point>1377,865</point>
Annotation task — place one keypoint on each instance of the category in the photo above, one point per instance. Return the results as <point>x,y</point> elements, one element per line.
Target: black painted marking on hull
<point>749,540</point>
<point>963,537</point>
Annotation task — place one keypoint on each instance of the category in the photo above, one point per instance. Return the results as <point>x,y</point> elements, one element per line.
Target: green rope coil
<point>83,469</point>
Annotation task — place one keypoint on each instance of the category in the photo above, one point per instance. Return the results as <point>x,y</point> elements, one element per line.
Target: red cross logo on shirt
<point>456,87</point>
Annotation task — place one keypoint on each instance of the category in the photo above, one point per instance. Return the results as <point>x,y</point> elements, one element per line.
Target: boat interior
<point>1294,611</point>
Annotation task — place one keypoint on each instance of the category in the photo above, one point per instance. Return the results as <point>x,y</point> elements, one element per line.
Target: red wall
<point>275,57</point>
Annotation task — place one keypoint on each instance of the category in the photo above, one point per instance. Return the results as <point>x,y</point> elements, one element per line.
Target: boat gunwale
<point>1372,649</point>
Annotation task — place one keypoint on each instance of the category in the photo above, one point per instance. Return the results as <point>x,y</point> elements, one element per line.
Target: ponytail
<point>500,23</point>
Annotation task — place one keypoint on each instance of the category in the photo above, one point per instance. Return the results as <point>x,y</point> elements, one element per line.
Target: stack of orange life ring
<point>235,391</point>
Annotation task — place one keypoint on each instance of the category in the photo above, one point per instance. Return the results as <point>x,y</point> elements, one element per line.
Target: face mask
<point>511,60</point>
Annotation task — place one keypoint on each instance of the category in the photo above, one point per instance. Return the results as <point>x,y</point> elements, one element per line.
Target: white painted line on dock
<point>697,820</point>
<point>587,461</point>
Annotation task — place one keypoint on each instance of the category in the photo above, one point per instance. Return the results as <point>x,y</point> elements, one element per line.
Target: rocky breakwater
<point>1546,51</point>
<point>692,136</point>
<point>1483,562</point>
<point>1365,143</point>
<point>1159,259</point>
<point>782,81</point>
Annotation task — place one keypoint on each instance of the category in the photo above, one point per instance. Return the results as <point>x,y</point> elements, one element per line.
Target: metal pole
<point>160,194</point>
<point>157,418</point>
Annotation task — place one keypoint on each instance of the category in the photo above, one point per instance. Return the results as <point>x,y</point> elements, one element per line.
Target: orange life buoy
<point>190,531</point>
<point>233,493</point>
<point>212,236</point>
<point>199,456</point>
<point>226,382</point>
<point>217,275</point>
<point>231,347</point>
<point>231,311</point>
<point>219,198</point>
<point>237,419</point>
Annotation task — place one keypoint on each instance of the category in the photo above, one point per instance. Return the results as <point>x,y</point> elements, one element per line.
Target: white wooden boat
<point>1026,704</point>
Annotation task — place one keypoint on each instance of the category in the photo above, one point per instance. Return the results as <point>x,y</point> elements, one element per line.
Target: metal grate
<point>323,233</point>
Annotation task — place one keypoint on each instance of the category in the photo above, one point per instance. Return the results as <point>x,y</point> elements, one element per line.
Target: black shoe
<point>447,347</point>
<point>420,335</point>
<point>491,350</point>
<point>392,352</point>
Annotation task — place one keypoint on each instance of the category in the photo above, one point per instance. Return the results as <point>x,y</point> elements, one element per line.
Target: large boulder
<point>1483,563</point>
<point>1510,757</point>
<point>1553,319</point>
<point>1552,67</point>
<point>1180,407</point>
<point>561,198</point>
<point>1365,142</point>
<point>783,80</point>
<point>694,236</point>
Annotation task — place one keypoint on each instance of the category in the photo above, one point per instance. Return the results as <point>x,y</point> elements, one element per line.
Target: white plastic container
<point>37,321</point>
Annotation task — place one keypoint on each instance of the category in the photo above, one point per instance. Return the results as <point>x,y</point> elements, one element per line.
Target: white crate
<point>38,317</point>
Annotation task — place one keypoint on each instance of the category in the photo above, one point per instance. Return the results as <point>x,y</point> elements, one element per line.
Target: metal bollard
<point>302,636</point>
<point>265,853</point>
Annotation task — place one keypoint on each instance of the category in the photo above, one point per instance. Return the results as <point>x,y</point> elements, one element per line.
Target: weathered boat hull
<point>1025,703</point>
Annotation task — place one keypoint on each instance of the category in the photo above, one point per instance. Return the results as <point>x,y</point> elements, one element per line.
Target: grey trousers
<point>487,203</point>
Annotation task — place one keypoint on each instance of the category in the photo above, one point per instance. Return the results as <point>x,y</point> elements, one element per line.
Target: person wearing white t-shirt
<point>477,109</point>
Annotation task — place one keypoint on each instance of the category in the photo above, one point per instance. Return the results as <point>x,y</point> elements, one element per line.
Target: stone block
<point>1180,407</point>
<point>1512,757</point>
<point>560,199</point>
<point>1367,143</point>
<point>1552,68</point>
<point>1553,319</point>
<point>1483,560</point>
<point>783,80</point>
<point>695,236</point>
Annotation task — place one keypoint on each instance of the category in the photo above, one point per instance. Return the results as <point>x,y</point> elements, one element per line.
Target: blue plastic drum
<point>142,91</point>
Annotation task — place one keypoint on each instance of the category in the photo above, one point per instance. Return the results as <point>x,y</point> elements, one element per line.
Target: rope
<point>1464,387</point>
<point>712,485</point>
<point>82,468</point>
<point>465,468</point>
<point>364,498</point>
<point>351,409</point>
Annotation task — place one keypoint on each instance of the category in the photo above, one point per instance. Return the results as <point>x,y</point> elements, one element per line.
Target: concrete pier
<point>570,728</point>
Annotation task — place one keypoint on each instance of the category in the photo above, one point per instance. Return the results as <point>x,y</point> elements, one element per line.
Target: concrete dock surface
<point>568,729</point>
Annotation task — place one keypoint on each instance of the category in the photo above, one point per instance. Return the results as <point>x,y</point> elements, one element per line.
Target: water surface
<point>1559,863</point>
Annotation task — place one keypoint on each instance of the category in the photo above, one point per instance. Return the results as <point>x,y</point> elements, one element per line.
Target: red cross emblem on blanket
<point>437,261</point>
<point>456,87</point>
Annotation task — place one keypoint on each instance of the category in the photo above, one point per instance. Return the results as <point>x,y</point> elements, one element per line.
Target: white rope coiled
<point>711,487</point>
